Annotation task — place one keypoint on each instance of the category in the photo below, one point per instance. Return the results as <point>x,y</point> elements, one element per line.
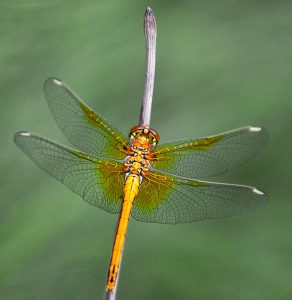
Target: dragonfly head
<point>143,137</point>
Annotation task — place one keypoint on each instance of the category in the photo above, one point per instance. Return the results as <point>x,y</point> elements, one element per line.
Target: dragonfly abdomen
<point>131,188</point>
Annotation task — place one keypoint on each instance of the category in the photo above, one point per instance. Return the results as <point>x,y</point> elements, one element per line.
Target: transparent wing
<point>209,156</point>
<point>81,125</point>
<point>168,199</point>
<point>98,181</point>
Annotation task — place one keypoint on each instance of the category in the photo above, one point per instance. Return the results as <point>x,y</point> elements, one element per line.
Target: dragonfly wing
<point>168,199</point>
<point>81,125</point>
<point>98,181</point>
<point>210,156</point>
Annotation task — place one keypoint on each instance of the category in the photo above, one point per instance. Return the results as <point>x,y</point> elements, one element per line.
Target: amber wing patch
<point>82,126</point>
<point>168,199</point>
<point>98,181</point>
<point>205,157</point>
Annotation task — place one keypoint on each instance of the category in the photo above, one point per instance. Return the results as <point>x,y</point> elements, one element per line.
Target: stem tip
<point>148,11</point>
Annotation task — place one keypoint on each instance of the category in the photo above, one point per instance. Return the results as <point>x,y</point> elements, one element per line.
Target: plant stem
<point>145,113</point>
<point>150,31</point>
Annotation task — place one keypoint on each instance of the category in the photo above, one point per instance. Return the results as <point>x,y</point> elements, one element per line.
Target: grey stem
<point>150,31</point>
<point>145,113</point>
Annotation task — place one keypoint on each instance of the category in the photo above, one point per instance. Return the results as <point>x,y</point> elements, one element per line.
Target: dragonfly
<point>134,176</point>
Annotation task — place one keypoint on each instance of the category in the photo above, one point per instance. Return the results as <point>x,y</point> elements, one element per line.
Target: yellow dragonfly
<point>157,184</point>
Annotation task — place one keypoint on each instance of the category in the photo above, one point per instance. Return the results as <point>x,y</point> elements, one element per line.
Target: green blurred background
<point>220,65</point>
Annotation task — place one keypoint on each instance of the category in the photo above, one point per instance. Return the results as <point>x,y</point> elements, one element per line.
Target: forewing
<point>210,156</point>
<point>168,199</point>
<point>98,181</point>
<point>82,126</point>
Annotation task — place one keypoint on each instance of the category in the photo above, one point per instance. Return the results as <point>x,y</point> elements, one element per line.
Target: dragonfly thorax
<point>136,164</point>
